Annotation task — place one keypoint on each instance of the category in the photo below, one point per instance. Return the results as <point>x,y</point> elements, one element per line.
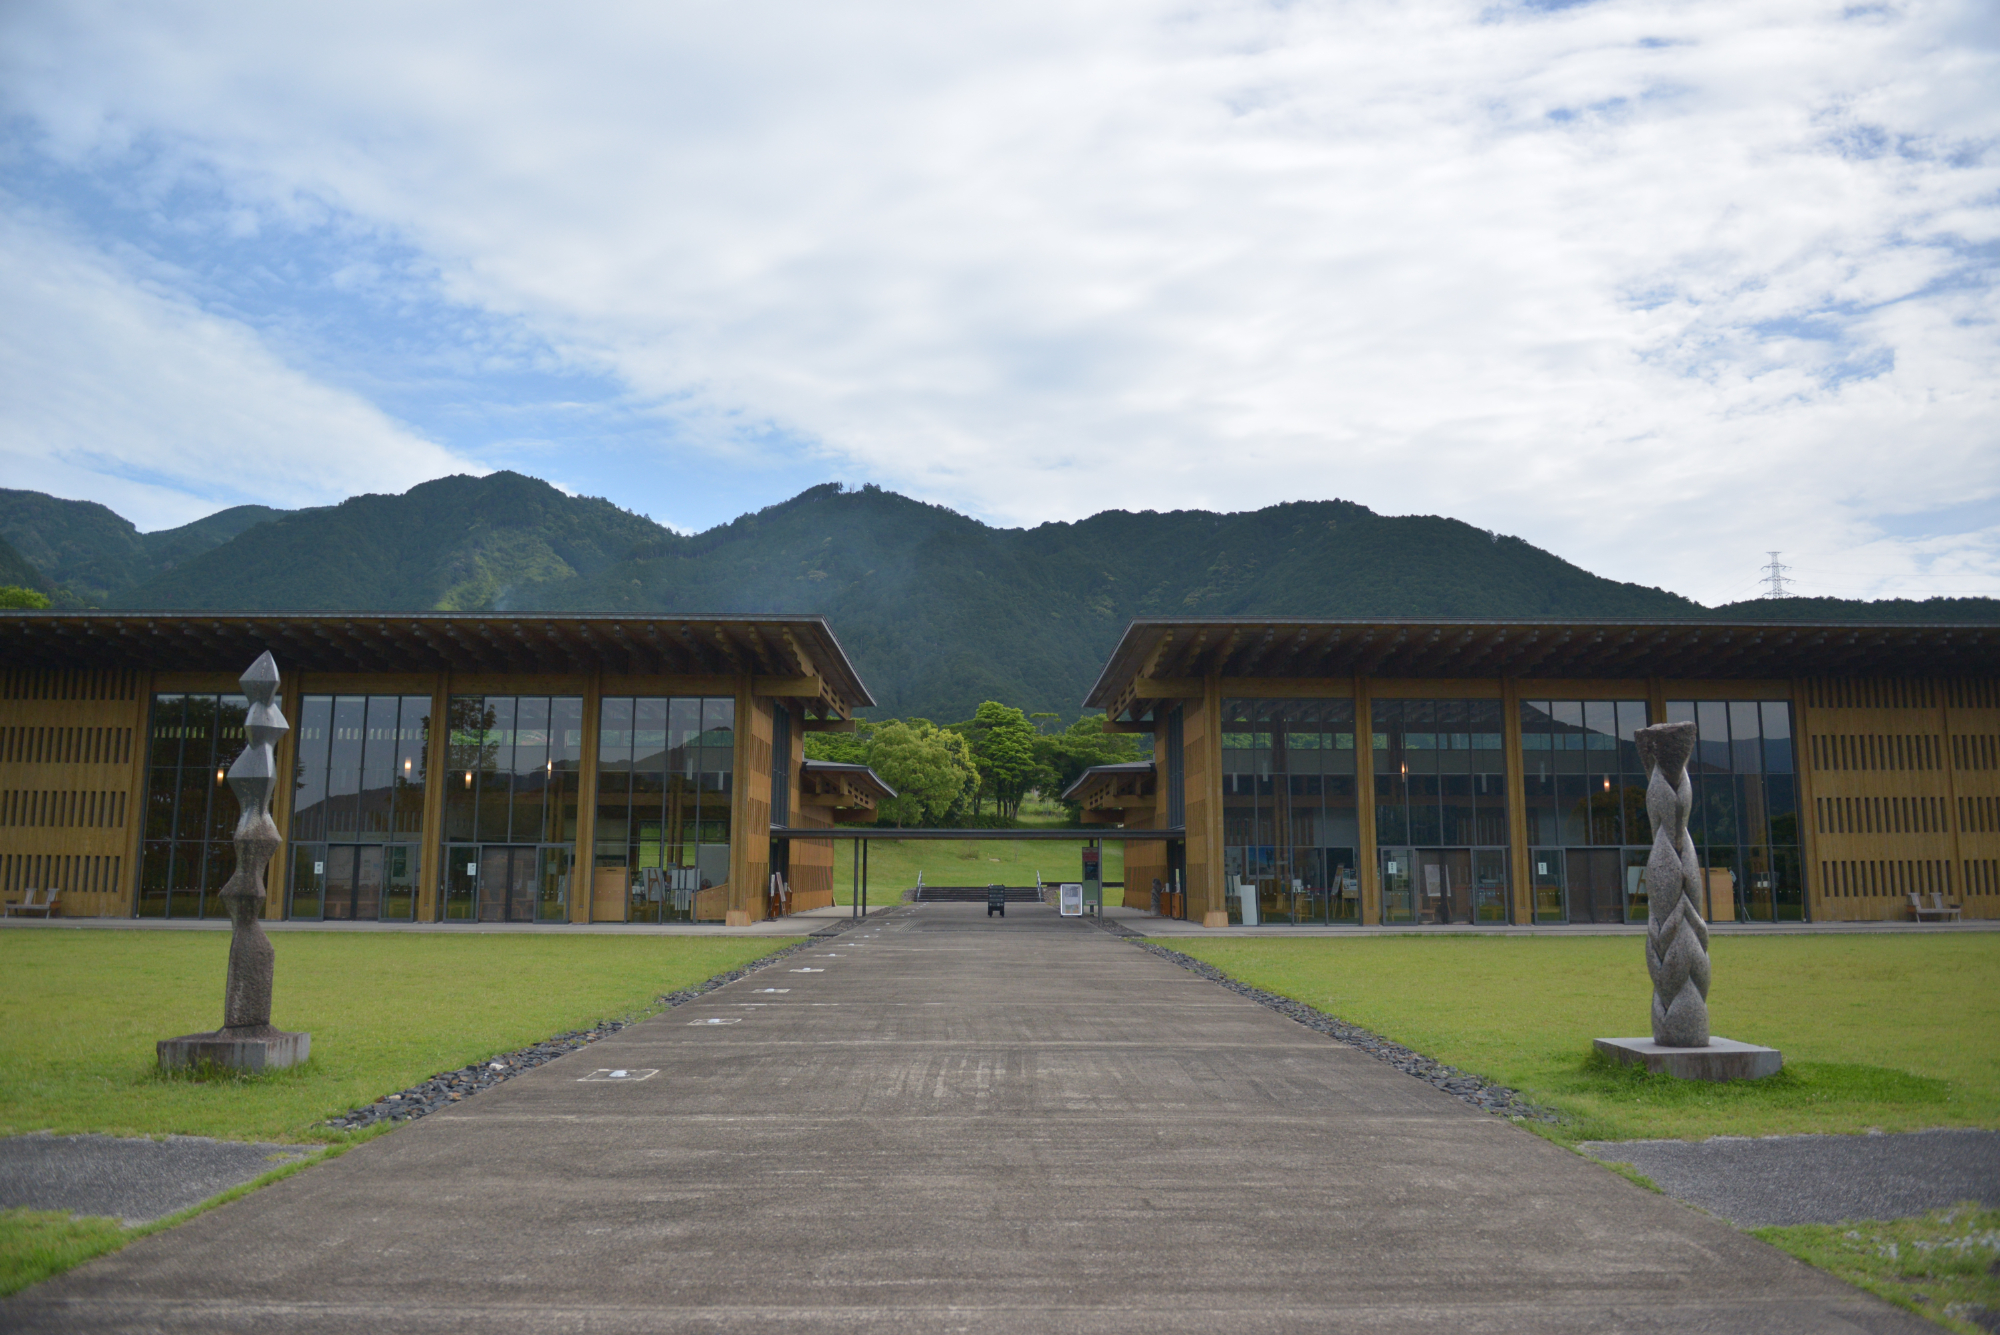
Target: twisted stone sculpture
<point>246,1039</point>
<point>1676,936</point>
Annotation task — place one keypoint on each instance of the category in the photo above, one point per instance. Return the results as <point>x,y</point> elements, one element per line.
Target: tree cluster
<point>953,775</point>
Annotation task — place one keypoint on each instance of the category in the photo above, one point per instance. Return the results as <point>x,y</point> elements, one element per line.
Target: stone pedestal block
<point>264,1052</point>
<point>1722,1059</point>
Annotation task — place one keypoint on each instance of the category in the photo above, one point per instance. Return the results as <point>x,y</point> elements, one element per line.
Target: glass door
<point>308,881</point>
<point>1596,889</point>
<point>340,869</point>
<point>1399,885</point>
<point>1545,867</point>
<point>461,882</point>
<point>1489,885</point>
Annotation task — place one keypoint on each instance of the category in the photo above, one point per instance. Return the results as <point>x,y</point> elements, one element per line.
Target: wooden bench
<point>30,908</point>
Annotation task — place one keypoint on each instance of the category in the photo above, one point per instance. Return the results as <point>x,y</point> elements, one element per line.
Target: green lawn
<point>82,1010</point>
<point>893,865</point>
<point>1883,1031</point>
<point>1939,1265</point>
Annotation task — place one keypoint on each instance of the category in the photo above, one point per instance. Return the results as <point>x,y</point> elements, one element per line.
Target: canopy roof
<point>1167,655</point>
<point>791,654</point>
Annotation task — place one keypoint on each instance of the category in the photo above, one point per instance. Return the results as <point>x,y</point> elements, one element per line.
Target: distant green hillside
<point>456,544</point>
<point>94,553</point>
<point>938,611</point>
<point>17,571</point>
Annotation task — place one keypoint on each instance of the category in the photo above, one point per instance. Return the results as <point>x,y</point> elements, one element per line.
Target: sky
<point>1658,285</point>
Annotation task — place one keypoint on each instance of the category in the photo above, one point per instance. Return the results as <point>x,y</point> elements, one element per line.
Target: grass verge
<point>36,1244</point>
<point>1878,1031</point>
<point>893,865</point>
<point>1944,1265</point>
<point>83,1009</point>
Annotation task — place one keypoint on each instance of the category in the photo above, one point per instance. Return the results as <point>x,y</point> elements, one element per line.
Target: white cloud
<point>1545,272</point>
<point>114,390</point>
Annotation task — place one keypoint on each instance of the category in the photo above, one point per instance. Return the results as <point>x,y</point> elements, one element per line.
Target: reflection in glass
<point>1745,820</point>
<point>190,812</point>
<point>1440,793</point>
<point>666,781</point>
<point>1290,827</point>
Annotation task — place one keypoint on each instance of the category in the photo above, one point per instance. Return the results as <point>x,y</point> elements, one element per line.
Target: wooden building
<point>1480,771</point>
<point>449,767</point>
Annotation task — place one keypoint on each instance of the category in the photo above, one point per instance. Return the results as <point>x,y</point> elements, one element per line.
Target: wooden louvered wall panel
<point>1904,777</point>
<point>72,757</point>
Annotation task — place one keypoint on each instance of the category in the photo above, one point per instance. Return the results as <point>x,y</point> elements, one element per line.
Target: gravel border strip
<point>1461,1085</point>
<point>448,1087</point>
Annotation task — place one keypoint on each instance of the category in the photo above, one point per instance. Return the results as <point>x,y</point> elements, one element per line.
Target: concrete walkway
<point>945,1122</point>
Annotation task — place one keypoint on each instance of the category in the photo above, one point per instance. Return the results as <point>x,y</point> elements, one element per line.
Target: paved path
<point>960,1124</point>
<point>1819,1179</point>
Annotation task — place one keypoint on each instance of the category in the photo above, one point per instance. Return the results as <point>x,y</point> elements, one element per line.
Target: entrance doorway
<point>354,882</point>
<point>506,883</point>
<point>1444,885</point>
<point>1596,884</point>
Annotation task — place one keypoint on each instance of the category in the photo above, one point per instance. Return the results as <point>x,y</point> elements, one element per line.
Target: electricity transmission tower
<point>1775,583</point>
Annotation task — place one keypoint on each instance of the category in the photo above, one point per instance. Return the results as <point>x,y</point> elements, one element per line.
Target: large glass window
<point>665,780</point>
<point>1745,823</point>
<point>1289,829</point>
<point>510,805</point>
<point>1441,810</point>
<point>1588,834</point>
<point>358,806</point>
<point>191,811</point>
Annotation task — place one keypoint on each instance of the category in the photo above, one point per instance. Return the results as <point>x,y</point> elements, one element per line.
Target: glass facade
<point>665,783</point>
<point>1441,810</point>
<point>358,806</point>
<point>1289,829</point>
<point>1745,822</point>
<point>510,807</point>
<point>191,811</point>
<point>1585,795</point>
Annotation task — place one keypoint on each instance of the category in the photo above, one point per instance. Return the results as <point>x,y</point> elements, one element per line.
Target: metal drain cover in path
<point>622,1075</point>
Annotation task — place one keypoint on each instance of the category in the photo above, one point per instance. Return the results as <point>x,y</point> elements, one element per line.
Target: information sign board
<point>1071,894</point>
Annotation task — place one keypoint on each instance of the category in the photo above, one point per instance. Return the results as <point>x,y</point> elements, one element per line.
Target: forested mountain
<point>938,611</point>
<point>94,554</point>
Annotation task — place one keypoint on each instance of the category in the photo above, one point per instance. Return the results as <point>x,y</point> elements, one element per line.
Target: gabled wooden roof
<point>1168,656</point>
<point>788,650</point>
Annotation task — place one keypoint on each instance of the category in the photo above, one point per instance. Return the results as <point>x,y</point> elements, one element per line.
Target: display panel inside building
<point>1289,829</point>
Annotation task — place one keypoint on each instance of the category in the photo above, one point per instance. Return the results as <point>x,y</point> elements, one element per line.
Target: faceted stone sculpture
<point>247,1040</point>
<point>1676,936</point>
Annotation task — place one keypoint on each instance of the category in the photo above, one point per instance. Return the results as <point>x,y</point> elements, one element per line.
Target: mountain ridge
<point>937,610</point>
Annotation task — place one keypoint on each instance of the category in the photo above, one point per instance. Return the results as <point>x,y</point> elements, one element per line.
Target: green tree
<point>928,768</point>
<point>1063,757</point>
<point>14,596</point>
<point>842,748</point>
<point>1002,741</point>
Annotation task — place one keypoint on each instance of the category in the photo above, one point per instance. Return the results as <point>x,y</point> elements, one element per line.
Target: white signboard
<point>1072,899</point>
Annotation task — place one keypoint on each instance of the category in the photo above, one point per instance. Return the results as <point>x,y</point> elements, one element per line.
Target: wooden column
<point>278,874</point>
<point>1519,863</point>
<point>1367,857</point>
<point>431,867</point>
<point>135,834</point>
<point>583,865</point>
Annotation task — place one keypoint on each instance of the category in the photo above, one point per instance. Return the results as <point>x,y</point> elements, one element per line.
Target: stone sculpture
<point>1676,935</point>
<point>247,1040</point>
